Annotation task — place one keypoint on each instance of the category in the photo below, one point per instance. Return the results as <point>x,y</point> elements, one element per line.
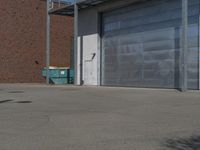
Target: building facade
<point>138,44</point>
<point>22,36</point>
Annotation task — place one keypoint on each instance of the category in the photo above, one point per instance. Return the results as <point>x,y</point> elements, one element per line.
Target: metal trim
<point>69,9</point>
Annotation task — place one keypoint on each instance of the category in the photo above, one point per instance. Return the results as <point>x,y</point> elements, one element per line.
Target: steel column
<point>75,43</point>
<point>48,24</point>
<point>199,52</point>
<point>184,50</point>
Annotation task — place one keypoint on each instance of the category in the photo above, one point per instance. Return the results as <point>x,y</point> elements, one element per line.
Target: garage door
<point>141,45</point>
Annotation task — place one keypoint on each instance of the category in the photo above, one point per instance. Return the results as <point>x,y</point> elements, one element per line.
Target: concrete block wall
<point>22,40</point>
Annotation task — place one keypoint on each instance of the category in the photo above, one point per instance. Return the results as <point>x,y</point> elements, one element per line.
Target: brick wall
<point>22,40</point>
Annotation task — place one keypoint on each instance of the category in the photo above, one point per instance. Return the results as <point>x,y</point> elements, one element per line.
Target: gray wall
<point>89,42</point>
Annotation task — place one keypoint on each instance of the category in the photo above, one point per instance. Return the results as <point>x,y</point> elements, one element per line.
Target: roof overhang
<point>69,9</point>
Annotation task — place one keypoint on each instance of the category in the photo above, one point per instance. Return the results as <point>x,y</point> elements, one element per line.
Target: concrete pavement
<point>39,117</point>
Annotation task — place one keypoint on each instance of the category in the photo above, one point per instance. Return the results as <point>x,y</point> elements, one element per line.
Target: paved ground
<point>38,117</point>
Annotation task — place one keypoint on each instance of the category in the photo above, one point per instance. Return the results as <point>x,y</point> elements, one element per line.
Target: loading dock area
<point>150,43</point>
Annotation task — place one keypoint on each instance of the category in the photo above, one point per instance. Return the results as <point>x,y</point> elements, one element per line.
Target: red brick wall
<point>22,40</point>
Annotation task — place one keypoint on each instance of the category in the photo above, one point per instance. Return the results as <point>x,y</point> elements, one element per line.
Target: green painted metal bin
<point>60,75</point>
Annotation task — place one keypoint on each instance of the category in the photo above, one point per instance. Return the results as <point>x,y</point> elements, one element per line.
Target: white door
<point>90,59</point>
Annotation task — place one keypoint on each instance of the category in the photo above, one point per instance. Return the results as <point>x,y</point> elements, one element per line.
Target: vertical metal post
<point>199,51</point>
<point>52,4</point>
<point>75,43</point>
<point>47,41</point>
<point>59,4</point>
<point>184,45</point>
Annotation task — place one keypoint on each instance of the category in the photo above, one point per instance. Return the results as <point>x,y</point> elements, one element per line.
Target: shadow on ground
<point>15,92</point>
<point>5,101</point>
<point>191,143</point>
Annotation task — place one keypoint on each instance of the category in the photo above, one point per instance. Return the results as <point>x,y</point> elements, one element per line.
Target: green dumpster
<point>60,75</point>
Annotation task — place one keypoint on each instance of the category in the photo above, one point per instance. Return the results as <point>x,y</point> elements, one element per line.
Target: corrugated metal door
<point>141,45</point>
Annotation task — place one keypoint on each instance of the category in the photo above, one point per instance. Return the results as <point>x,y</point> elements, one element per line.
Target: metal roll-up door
<point>141,45</point>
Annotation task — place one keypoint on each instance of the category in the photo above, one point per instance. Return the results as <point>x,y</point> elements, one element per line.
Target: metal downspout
<point>48,21</point>
<point>75,43</point>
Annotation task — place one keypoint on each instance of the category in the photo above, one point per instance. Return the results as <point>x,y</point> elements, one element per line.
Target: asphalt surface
<point>39,117</point>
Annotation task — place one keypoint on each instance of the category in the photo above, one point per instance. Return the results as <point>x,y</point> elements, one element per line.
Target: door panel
<point>141,45</point>
<point>90,59</point>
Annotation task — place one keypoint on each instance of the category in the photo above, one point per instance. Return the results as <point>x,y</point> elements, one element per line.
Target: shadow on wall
<point>191,143</point>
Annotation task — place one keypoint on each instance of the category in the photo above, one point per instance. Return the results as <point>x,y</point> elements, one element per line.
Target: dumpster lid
<point>55,67</point>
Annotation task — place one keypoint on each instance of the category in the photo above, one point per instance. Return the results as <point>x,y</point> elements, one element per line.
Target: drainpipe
<point>75,43</point>
<point>47,41</point>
